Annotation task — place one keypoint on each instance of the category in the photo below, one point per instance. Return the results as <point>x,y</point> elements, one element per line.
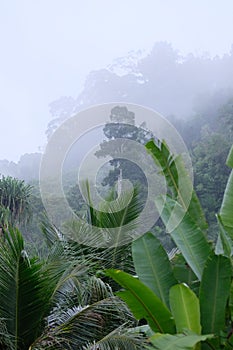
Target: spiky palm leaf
<point>53,303</point>
<point>109,225</point>
<point>22,291</point>
<point>73,327</point>
<point>120,339</point>
<point>107,235</point>
<point>30,288</point>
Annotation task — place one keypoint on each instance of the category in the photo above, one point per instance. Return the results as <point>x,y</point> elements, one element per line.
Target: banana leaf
<point>189,238</point>
<point>224,244</point>
<point>214,293</point>
<point>143,302</point>
<point>178,181</point>
<point>185,308</point>
<point>177,342</point>
<point>152,266</point>
<point>226,211</point>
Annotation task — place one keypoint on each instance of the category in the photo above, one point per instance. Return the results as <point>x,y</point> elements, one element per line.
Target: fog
<point>54,56</point>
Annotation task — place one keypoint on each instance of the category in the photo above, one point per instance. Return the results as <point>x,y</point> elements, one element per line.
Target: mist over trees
<point>193,92</point>
<point>56,275</point>
<point>163,80</point>
<point>27,168</point>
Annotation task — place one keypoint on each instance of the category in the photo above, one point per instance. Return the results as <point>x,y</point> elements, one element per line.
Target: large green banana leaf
<point>214,292</point>
<point>178,341</point>
<point>226,211</point>
<point>143,302</point>
<point>224,243</point>
<point>152,266</point>
<point>178,181</point>
<point>189,238</point>
<point>185,308</point>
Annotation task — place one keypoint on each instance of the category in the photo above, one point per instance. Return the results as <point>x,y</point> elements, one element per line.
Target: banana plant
<point>193,293</point>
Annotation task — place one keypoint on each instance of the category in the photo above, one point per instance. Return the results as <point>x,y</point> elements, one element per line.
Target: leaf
<point>22,290</point>
<point>178,181</point>
<point>189,238</point>
<point>78,326</point>
<point>224,243</point>
<point>152,266</point>
<point>185,308</point>
<point>114,220</point>
<point>178,341</point>
<point>184,274</point>
<point>231,300</point>
<point>143,302</point>
<point>226,211</point>
<point>120,338</point>
<point>214,292</point>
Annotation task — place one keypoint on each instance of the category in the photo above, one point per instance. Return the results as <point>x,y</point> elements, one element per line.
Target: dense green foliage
<point>208,136</point>
<point>202,314</point>
<point>55,293</point>
<point>15,205</point>
<point>55,302</point>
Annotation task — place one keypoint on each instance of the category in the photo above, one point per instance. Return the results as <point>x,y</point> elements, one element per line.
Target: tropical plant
<point>187,302</point>
<point>55,303</point>
<point>108,248</point>
<point>15,205</point>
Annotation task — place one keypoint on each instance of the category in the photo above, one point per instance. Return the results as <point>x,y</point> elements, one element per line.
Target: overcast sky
<point>49,46</point>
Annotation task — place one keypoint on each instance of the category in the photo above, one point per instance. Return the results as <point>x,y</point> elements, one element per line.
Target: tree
<point>210,171</point>
<point>163,80</point>
<point>14,201</point>
<point>225,120</point>
<point>122,125</point>
<point>208,155</point>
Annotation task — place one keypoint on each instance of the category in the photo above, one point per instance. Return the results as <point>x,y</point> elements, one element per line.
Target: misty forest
<point>164,290</point>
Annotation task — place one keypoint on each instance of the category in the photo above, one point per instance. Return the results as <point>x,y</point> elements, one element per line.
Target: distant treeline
<point>194,93</point>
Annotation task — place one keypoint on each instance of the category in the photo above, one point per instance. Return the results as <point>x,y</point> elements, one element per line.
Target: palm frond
<point>30,289</point>
<point>79,326</point>
<point>6,339</point>
<point>22,290</point>
<point>119,339</point>
<point>112,224</point>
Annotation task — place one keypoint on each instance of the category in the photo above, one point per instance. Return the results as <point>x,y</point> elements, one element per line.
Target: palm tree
<point>54,303</point>
<point>14,201</point>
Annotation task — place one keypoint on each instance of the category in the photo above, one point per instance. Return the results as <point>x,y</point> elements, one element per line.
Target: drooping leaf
<point>152,266</point>
<point>143,302</point>
<point>178,341</point>
<point>226,211</point>
<point>178,181</point>
<point>189,238</point>
<point>185,308</point>
<point>214,292</point>
<point>224,243</point>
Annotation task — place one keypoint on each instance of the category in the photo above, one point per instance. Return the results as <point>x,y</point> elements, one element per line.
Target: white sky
<point>49,46</point>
